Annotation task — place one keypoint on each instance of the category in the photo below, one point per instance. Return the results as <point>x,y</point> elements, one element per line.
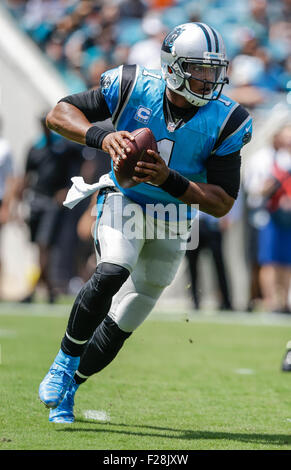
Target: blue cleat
<point>64,413</point>
<point>58,379</point>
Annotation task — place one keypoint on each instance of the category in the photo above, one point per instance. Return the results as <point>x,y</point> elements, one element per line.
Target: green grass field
<point>207,383</point>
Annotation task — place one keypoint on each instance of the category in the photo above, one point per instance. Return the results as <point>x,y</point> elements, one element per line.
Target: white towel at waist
<point>80,190</point>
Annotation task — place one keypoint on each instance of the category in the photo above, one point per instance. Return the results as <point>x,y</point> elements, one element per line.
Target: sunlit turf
<point>176,384</point>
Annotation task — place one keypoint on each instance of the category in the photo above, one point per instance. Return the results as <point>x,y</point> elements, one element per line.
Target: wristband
<point>94,137</point>
<point>175,184</point>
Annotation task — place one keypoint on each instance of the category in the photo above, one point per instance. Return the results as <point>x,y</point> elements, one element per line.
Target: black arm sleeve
<point>224,171</point>
<point>92,104</point>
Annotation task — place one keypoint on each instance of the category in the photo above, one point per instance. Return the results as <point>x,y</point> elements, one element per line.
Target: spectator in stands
<point>41,15</point>
<point>286,9</point>
<point>133,8</point>
<point>147,52</point>
<point>95,71</point>
<point>246,77</point>
<point>76,34</point>
<point>161,3</point>
<point>274,234</point>
<point>258,20</point>
<point>6,184</point>
<point>256,170</point>
<point>17,7</point>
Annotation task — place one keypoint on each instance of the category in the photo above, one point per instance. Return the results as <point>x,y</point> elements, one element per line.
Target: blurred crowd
<point>83,38</point>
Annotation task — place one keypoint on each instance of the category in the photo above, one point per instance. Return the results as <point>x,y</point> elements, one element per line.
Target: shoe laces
<point>60,373</point>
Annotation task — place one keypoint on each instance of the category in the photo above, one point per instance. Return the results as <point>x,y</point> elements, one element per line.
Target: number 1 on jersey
<point>165,149</point>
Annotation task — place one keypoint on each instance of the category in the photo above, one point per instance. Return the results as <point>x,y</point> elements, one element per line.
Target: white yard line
<point>244,371</point>
<point>97,415</point>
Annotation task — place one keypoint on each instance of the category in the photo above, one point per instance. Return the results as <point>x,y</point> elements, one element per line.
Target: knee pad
<point>96,295</point>
<point>108,278</point>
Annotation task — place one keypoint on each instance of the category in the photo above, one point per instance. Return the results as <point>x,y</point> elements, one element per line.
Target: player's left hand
<point>155,173</point>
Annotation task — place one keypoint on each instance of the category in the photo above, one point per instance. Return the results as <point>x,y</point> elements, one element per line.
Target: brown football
<point>124,168</point>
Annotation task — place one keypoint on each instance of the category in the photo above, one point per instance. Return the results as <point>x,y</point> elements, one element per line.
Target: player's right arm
<point>74,116</point>
<point>68,121</point>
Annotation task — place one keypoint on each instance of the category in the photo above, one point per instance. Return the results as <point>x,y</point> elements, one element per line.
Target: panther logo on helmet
<point>172,36</point>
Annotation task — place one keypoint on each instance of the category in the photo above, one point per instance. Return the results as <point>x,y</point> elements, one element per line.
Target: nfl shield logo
<point>171,127</point>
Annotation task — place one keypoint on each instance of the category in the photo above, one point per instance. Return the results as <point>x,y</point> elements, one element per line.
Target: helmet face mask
<point>189,68</point>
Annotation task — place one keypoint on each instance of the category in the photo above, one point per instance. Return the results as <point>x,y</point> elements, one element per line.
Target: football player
<point>199,133</point>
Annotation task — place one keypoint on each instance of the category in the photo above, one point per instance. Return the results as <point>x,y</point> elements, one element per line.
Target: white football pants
<point>125,237</point>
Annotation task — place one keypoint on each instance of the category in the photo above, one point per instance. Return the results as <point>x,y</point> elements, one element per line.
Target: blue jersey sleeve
<point>110,86</point>
<point>235,133</point>
<point>237,140</point>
